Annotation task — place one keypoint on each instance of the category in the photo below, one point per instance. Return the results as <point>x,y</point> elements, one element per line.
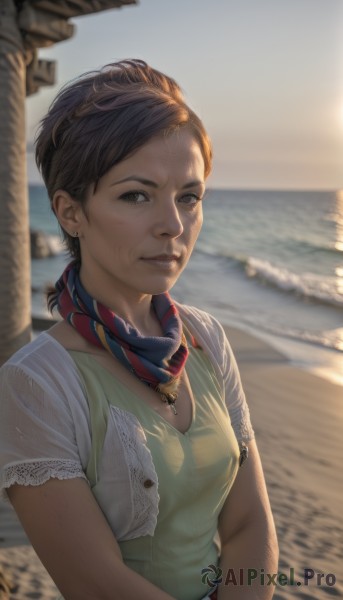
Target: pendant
<point>243,454</point>
<point>170,399</point>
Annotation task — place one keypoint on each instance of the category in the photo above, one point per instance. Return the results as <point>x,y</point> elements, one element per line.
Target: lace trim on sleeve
<point>37,472</point>
<point>240,420</point>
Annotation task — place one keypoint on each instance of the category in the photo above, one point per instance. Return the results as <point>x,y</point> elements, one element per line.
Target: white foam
<point>306,284</point>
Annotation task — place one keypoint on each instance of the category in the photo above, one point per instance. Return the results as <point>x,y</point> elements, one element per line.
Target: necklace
<point>169,399</point>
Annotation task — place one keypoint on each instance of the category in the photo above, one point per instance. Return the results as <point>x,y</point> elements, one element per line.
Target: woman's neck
<point>135,309</point>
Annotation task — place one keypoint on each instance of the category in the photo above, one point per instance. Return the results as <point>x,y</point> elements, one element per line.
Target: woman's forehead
<point>178,155</point>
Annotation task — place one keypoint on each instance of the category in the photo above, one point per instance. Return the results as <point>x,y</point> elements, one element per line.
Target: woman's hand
<point>75,543</point>
<point>247,533</point>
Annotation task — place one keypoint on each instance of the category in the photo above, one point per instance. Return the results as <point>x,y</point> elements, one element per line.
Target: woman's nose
<point>168,220</point>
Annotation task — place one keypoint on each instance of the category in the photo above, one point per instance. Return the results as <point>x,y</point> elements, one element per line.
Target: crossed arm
<point>247,534</point>
<point>75,543</point>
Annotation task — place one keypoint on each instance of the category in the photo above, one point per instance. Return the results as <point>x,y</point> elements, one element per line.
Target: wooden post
<point>15,276</point>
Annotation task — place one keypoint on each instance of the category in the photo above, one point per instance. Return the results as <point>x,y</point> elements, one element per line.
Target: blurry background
<point>266,78</point>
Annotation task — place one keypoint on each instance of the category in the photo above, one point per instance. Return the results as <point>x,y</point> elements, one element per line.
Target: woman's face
<point>141,224</point>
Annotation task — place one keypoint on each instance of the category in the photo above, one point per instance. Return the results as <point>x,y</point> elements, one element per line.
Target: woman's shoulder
<point>41,345</point>
<point>206,329</point>
<point>41,382</point>
<point>198,317</point>
<point>43,361</point>
<point>212,337</point>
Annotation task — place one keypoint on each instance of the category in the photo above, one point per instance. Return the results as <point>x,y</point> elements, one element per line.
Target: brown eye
<point>190,199</point>
<point>134,197</point>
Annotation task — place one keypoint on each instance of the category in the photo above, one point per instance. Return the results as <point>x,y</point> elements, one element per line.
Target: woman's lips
<point>163,260</point>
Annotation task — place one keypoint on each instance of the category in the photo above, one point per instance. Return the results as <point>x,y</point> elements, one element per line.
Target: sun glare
<point>339,213</point>
<point>339,241</point>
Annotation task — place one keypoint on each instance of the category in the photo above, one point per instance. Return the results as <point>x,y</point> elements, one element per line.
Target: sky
<point>265,76</point>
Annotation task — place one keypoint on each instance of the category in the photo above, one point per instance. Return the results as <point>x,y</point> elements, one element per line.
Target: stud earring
<point>76,234</point>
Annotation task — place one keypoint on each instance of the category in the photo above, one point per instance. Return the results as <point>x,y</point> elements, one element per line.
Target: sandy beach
<point>298,421</point>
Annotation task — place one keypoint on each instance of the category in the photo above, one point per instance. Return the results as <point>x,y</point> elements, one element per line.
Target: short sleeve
<point>37,434</point>
<point>234,395</point>
<point>211,336</point>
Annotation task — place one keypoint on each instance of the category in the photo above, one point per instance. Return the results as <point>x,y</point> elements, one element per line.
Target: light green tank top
<point>195,473</point>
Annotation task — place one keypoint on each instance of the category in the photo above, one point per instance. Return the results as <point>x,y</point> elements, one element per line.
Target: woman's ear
<point>68,212</point>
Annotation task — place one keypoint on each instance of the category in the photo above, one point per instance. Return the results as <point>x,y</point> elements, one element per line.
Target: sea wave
<point>335,217</point>
<point>312,247</point>
<point>308,285</point>
<point>328,339</point>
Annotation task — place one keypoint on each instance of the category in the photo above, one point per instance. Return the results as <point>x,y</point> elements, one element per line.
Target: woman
<point>118,451</point>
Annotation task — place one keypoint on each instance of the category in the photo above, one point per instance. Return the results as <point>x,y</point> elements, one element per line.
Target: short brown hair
<point>101,118</point>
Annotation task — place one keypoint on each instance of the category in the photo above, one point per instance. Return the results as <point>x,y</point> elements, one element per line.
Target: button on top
<point>148,483</point>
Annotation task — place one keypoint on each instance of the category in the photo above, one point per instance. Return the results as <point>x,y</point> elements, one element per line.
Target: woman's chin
<point>159,287</point>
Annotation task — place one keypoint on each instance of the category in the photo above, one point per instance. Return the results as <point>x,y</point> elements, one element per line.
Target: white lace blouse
<point>45,426</point>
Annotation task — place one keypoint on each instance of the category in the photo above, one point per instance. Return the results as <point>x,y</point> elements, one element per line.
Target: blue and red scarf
<point>157,361</point>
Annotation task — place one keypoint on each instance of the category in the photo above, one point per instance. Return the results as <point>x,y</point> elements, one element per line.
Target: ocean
<point>268,262</point>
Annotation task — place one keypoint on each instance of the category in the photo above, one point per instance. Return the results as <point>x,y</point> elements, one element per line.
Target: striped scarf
<point>157,361</point>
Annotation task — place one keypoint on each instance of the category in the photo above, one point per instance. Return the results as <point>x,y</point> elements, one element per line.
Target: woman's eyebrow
<point>153,184</point>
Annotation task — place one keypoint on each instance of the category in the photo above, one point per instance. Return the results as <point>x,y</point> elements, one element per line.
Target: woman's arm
<point>75,543</point>
<point>247,533</point>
